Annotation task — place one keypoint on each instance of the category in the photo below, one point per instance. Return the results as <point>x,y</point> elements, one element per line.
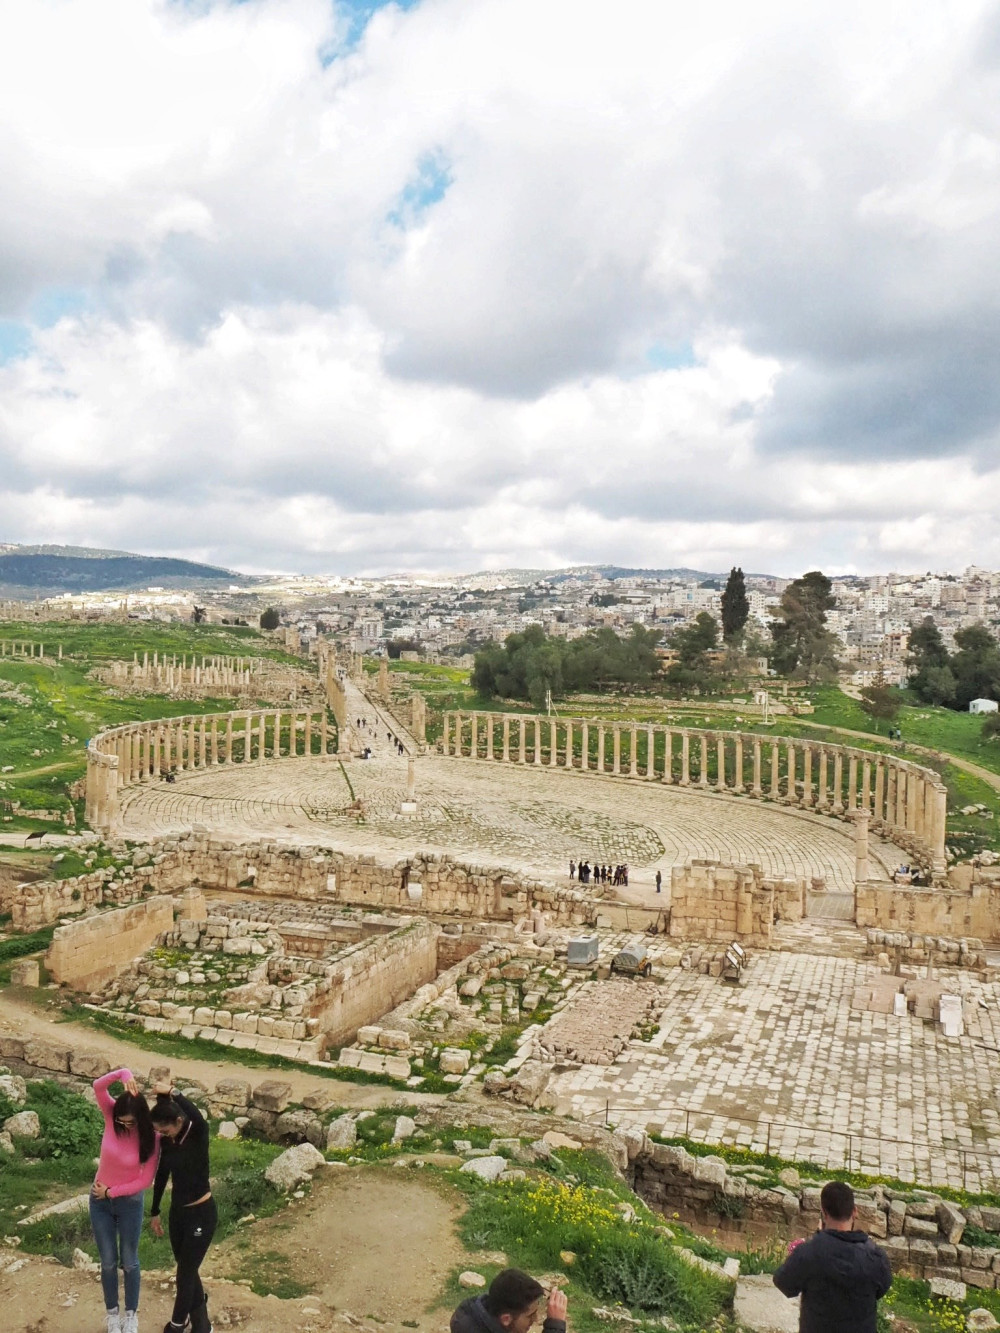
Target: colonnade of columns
<point>148,751</point>
<point>22,648</point>
<point>906,802</point>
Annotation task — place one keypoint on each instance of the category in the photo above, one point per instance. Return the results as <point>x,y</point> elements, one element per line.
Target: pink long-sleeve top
<point>120,1168</point>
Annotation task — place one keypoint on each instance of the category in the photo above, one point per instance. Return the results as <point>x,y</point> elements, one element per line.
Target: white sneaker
<point>130,1322</point>
<point>115,1324</point>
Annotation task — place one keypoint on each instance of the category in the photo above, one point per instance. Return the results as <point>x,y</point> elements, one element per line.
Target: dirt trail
<point>19,1018</point>
<point>375,1246</point>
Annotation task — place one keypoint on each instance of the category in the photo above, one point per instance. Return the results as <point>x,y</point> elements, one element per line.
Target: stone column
<point>214,748</point>
<point>890,793</point>
<point>822,802</point>
<point>538,740</point>
<point>791,757</point>
<point>852,782</point>
<point>229,739</point>
<point>585,746</point>
<point>633,758</point>
<point>445,730</point>
<point>939,862</point>
<point>600,749</point>
<point>866,784</point>
<point>506,739</point>
<point>775,792</point>
<point>616,750</point>
<point>668,756</point>
<point>860,818</point>
<point>520,740</point>
<point>192,743</point>
<point>568,757</point>
<point>308,741</point>
<point>901,771</point>
<point>757,765</point>
<point>879,789</point>
<point>324,737</point>
<point>921,806</point>
<point>489,719</point>
<point>910,808</point>
<point>474,741</point>
<point>685,759</point>
<point>157,744</point>
<point>261,738</point>
<point>651,752</point>
<point>553,743</point>
<point>202,748</point>
<point>720,763</point>
<point>807,775</point>
<point>703,760</point>
<point>738,784</point>
<point>838,781</point>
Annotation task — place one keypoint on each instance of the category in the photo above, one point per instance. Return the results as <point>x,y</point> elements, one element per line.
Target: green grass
<point>54,707</point>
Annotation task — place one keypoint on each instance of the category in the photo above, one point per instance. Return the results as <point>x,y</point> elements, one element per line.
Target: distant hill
<point>46,571</point>
<point>516,576</point>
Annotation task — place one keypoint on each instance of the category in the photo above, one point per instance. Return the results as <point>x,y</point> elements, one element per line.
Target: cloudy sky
<point>332,285</point>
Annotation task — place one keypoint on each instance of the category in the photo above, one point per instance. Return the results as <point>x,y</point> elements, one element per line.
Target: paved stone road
<point>525,818</point>
<point>786,1051</point>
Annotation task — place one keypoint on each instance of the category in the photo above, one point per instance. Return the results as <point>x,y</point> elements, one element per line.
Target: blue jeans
<point>117,1226</point>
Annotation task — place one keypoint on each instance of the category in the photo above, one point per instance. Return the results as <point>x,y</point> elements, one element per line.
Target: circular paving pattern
<point>525,818</point>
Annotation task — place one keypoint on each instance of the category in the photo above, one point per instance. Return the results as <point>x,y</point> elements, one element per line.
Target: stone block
<point>950,1221</point>
<point>46,1055</point>
<point>897,1214</point>
<point>978,1277</point>
<point>368,1036</point>
<point>392,1040</point>
<point>923,1253</point>
<point>233,1092</point>
<point>454,1061</point>
<point>396,1066</point>
<point>25,972</point>
<point>272,1095</point>
<point>88,1064</point>
<point>951,1291</point>
<point>350,1058</point>
<point>711,1171</point>
<point>917,1227</point>
<point>872,1219</point>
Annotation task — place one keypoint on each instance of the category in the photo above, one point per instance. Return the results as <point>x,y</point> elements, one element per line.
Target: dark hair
<point>511,1292</point>
<point>166,1111</point>
<point>837,1200</point>
<point>130,1103</point>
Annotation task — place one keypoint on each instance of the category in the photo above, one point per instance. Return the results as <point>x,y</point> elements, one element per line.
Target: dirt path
<point>372,1241</point>
<point>966,765</point>
<point>20,1018</point>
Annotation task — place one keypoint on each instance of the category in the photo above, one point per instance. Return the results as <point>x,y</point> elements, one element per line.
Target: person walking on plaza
<point>193,1214</point>
<point>511,1305</point>
<point>127,1164</point>
<point>659,882</point>
<point>840,1273</point>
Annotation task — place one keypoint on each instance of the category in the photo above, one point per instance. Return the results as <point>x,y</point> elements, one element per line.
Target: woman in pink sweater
<point>129,1154</point>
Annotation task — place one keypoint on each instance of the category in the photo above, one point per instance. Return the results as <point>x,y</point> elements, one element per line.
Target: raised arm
<point>104,1099</point>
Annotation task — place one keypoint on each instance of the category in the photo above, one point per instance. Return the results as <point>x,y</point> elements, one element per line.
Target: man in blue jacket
<point>840,1273</point>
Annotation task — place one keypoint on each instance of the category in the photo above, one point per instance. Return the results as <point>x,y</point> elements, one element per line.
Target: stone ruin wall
<point>212,676</point>
<point>711,901</point>
<point>967,905</point>
<point>446,887</point>
<point>921,1233</point>
<point>88,953</point>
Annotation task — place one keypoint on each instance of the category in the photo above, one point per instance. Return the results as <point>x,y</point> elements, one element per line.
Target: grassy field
<point>50,708</point>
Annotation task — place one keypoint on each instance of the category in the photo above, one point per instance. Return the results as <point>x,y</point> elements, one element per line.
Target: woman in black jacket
<point>193,1215</point>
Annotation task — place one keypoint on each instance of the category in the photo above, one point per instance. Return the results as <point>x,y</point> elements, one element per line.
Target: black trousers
<point>191,1232</point>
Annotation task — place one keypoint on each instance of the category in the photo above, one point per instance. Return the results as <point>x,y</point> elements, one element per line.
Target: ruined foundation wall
<point>88,953</point>
<point>953,911</point>
<point>711,901</point>
<point>375,977</point>
<point>446,887</point>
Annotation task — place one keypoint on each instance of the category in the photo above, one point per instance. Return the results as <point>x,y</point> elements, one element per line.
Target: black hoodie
<point>472,1316</point>
<point>841,1275</point>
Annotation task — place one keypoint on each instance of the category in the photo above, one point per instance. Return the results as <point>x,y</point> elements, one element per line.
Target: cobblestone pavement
<point>528,819</point>
<point>783,1061</point>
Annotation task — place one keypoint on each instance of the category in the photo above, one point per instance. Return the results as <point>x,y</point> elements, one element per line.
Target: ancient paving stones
<point>489,813</point>
<point>598,1024</point>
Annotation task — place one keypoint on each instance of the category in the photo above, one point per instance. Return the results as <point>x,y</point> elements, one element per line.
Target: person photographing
<point>840,1273</point>
<point>511,1305</point>
<point>193,1216</point>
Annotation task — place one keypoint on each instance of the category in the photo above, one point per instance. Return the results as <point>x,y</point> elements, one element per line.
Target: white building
<point>984,706</point>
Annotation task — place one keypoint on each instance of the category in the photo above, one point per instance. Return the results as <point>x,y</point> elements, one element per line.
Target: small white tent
<point>984,706</point>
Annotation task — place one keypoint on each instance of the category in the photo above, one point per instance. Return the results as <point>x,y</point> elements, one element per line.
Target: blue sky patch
<point>15,340</point>
<point>357,14</point>
<point>670,356</point>
<point>428,186</point>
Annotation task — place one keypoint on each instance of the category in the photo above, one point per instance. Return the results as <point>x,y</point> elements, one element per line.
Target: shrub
<point>71,1126</point>
<point>642,1273</point>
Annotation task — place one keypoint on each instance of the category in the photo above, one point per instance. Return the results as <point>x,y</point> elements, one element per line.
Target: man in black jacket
<point>840,1273</point>
<point>511,1306</point>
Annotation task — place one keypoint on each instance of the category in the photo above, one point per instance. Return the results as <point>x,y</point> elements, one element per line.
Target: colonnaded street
<point>494,814</point>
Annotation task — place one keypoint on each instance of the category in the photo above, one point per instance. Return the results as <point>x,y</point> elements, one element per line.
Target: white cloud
<point>405,306</point>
